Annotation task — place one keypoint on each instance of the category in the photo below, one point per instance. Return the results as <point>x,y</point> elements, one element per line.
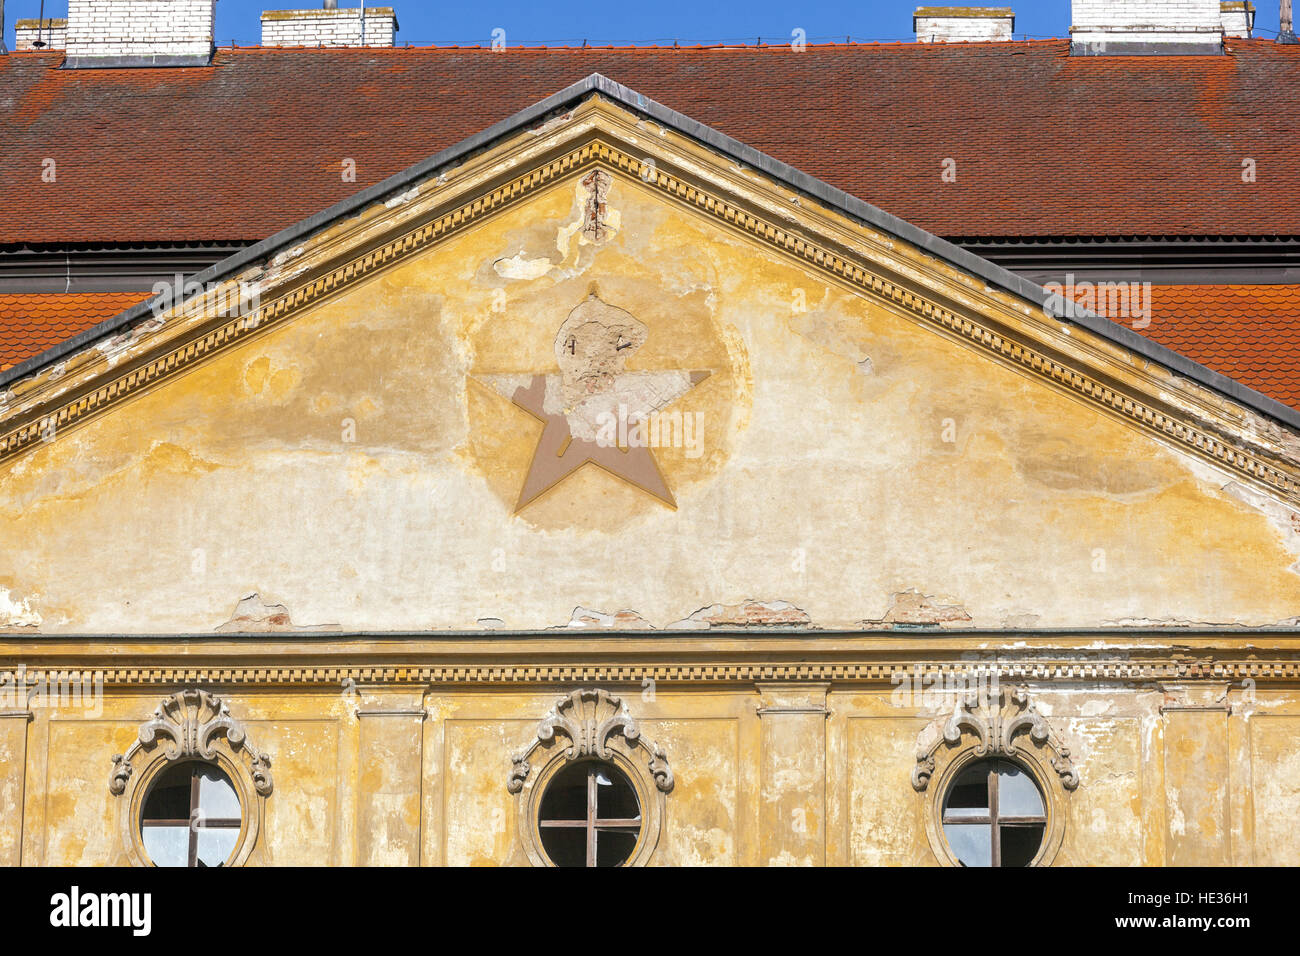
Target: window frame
<point>196,821</point>
<point>650,801</point>
<point>191,725</point>
<point>593,823</point>
<point>1034,761</point>
<point>992,818</point>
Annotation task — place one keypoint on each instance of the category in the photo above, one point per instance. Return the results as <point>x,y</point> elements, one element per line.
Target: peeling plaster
<point>252,615</point>
<point>403,198</point>
<point>518,267</point>
<point>583,617</point>
<point>913,607</point>
<point>17,613</point>
<point>746,614</point>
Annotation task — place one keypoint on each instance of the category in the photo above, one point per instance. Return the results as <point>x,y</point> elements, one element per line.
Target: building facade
<point>602,490</point>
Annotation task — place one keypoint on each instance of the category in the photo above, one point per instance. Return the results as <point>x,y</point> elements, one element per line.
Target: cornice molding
<point>966,312</point>
<point>580,669</point>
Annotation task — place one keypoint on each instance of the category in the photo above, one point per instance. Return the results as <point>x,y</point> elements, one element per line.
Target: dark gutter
<point>758,633</point>
<point>787,175</point>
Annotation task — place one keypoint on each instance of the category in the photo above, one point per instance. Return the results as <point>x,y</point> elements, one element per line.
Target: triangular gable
<point>599,124</point>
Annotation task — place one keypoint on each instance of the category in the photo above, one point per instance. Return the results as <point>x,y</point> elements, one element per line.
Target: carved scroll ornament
<point>996,727</point>
<point>589,718</point>
<point>188,725</point>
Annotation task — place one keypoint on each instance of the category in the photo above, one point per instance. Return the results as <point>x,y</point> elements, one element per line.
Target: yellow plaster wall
<point>322,810</point>
<point>848,455</point>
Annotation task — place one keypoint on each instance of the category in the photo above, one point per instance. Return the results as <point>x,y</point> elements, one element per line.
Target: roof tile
<point>1045,143</point>
<point>30,323</point>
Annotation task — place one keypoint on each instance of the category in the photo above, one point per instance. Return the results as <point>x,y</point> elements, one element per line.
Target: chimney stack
<point>1287,32</point>
<point>963,24</point>
<point>118,33</point>
<point>44,34</point>
<point>1238,18</point>
<point>329,26</point>
<point>1128,27</point>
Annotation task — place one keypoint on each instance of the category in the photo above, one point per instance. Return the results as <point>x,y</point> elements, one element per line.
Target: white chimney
<point>1146,26</point>
<point>44,34</point>
<point>1238,18</point>
<point>957,24</point>
<point>330,27</point>
<point>115,33</point>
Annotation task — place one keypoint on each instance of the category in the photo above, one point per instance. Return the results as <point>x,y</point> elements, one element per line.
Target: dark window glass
<point>589,816</point>
<point>615,798</point>
<point>566,846</point>
<point>969,796</point>
<point>1020,843</point>
<point>614,846</point>
<point>566,797</point>
<point>993,815</point>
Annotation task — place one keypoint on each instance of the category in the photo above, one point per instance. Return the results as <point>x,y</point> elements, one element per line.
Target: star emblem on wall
<point>595,411</point>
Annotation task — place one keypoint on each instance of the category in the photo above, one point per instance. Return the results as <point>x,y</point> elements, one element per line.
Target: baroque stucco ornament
<point>597,726</point>
<point>995,726</point>
<point>994,723</point>
<point>590,718</point>
<point>189,725</point>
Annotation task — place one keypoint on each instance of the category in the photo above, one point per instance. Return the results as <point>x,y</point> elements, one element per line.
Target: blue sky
<point>691,21</point>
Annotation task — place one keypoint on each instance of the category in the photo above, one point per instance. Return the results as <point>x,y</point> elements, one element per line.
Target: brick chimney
<point>44,34</point>
<point>1238,18</point>
<point>1126,27</point>
<point>957,24</point>
<point>116,33</point>
<point>330,27</point>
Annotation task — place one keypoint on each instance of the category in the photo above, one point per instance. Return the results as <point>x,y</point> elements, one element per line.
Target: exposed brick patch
<point>748,614</point>
<point>913,607</point>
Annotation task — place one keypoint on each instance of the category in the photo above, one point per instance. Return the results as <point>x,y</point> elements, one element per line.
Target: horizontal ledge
<point>907,632</point>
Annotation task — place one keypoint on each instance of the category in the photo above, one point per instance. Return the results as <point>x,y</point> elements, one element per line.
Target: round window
<point>994,815</point>
<point>191,817</point>
<point>589,816</point>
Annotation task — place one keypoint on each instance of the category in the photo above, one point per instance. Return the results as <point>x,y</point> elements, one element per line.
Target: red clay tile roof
<point>1045,143</point>
<point>32,322</point>
<point>1250,333</point>
<point>1247,332</point>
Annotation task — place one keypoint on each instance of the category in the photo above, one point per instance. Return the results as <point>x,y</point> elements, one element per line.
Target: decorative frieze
<point>862,670</point>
